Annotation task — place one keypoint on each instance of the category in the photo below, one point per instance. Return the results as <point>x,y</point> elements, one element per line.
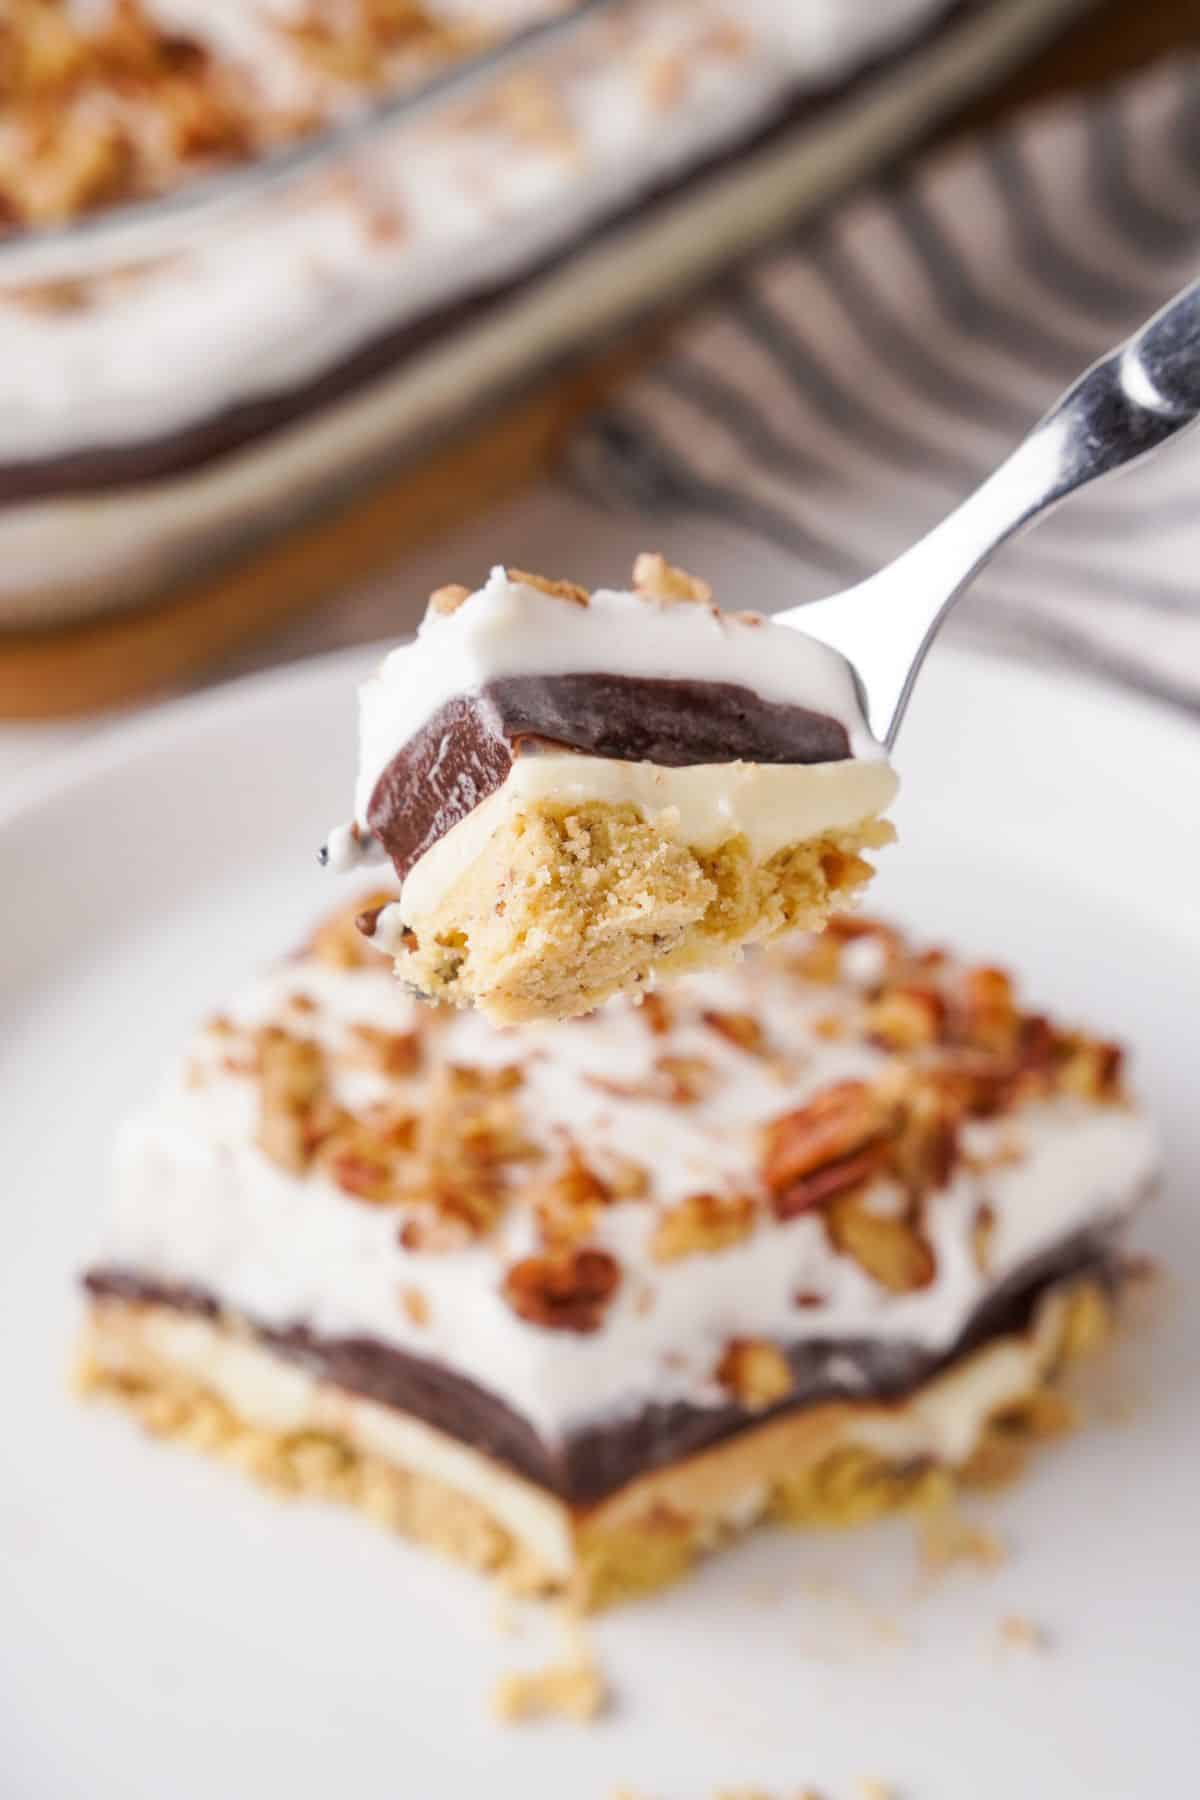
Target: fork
<point>1127,405</point>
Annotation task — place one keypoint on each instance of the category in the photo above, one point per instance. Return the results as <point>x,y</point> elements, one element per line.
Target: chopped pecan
<point>657,579</point>
<point>890,1249</point>
<point>820,959</point>
<point>446,600</point>
<point>654,1010</point>
<point>437,1227</point>
<point>367,1174</point>
<point>391,1052</point>
<point>812,1190</point>
<point>369,1156</point>
<point>1089,1069</point>
<point>703,1222</point>
<point>906,1018</point>
<point>625,1177</point>
<point>852,928</point>
<point>924,1148</point>
<point>560,590</point>
<point>983,1232</point>
<point>339,942</point>
<point>566,1202</point>
<point>416,1305</point>
<point>468,1081</point>
<point>739,1028</point>
<point>756,1373</point>
<point>840,1122</point>
<point>672,1080</point>
<point>990,1019</point>
<point>291,1080</point>
<point>567,1291</point>
<point>684,1080</point>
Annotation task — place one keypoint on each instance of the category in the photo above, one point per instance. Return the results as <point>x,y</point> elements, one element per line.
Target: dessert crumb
<point>871,1789</point>
<point>1020,1633</point>
<point>945,1537</point>
<point>573,1689</point>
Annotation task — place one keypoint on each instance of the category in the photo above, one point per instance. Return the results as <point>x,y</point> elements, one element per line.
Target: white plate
<point>165,1630</point>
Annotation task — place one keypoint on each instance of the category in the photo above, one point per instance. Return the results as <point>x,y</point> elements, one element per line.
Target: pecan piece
<point>567,1291</point>
<point>292,1081</point>
<point>889,1249</point>
<point>560,590</point>
<point>446,600</point>
<point>755,1372</point>
<point>1089,1069</point>
<point>657,579</point>
<point>839,1122</point>
<point>906,1018</point>
<point>810,1191</point>
<point>738,1028</point>
<point>990,1019</point>
<point>654,1010</point>
<point>339,942</point>
<point>684,1080</point>
<point>567,1202</point>
<point>703,1222</point>
<point>391,1052</point>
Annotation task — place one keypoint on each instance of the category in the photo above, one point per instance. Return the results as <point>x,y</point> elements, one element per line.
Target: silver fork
<point>1127,405</point>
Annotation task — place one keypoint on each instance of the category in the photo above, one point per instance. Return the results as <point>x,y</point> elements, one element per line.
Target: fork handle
<point>1128,404</point>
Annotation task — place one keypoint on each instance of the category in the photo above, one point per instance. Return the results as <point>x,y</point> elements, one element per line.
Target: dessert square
<point>582,793</point>
<point>330,324</point>
<point>808,1239</point>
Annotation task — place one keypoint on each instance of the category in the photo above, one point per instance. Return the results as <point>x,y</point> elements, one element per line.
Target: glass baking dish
<point>187,380</point>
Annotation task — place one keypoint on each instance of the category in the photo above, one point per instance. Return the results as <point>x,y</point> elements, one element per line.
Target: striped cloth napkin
<point>840,393</point>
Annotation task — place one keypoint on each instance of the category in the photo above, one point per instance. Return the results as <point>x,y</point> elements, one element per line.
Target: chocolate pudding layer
<point>597,1460</point>
<point>466,750</point>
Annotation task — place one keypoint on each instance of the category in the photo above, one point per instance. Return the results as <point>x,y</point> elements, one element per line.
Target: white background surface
<point>165,1630</point>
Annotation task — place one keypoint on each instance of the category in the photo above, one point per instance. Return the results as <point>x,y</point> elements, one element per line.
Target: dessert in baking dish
<point>582,793</point>
<point>167,409</point>
<point>808,1239</point>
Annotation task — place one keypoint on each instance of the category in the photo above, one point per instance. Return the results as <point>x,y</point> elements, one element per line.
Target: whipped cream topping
<point>198,1203</point>
<point>446,207</point>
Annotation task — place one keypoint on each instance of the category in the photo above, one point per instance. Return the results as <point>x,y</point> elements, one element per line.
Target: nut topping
<point>291,1079</point>
<point>739,1028</point>
<point>560,590</point>
<point>703,1222</point>
<point>567,1291</point>
<point>756,1373</point>
<point>889,1249</point>
<point>391,1052</point>
<point>657,579</point>
<point>567,1203</point>
<point>906,1018</point>
<point>446,600</point>
<point>840,1122</point>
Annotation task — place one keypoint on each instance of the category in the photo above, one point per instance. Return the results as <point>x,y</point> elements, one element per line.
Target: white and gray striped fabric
<point>840,393</point>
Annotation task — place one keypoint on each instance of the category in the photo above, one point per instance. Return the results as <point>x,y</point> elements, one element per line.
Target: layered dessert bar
<point>807,1239</point>
<point>165,409</point>
<point>581,793</point>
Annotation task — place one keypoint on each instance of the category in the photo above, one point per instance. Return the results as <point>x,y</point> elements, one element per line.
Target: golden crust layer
<point>802,1469</point>
<point>594,897</point>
